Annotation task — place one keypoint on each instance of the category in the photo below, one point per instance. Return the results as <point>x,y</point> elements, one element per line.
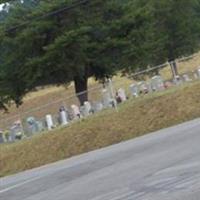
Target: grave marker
<point>63,117</point>
<point>1,137</point>
<point>75,112</point>
<point>121,94</point>
<point>107,100</point>
<point>97,106</point>
<point>186,78</point>
<point>157,83</point>
<point>134,90</point>
<point>143,89</point>
<point>49,122</point>
<point>177,80</point>
<point>198,71</point>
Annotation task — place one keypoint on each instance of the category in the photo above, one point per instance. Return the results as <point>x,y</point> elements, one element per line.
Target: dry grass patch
<point>135,118</point>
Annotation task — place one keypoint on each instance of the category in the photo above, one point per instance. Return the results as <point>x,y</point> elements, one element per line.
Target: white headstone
<point>186,78</point>
<point>195,74</point>
<point>157,83</point>
<point>143,87</point>
<point>49,122</point>
<point>16,131</point>
<point>134,90</point>
<point>87,107</point>
<point>12,136</point>
<point>106,98</point>
<point>75,111</point>
<point>98,106</point>
<point>122,94</point>
<point>63,117</point>
<point>198,71</point>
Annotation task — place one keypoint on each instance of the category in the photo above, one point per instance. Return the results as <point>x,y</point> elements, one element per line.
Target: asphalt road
<point>164,165</point>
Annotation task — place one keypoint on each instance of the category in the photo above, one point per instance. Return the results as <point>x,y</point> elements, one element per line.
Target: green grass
<point>136,117</point>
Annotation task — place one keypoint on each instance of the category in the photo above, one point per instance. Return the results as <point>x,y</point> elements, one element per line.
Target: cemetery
<point>22,129</point>
<point>136,117</point>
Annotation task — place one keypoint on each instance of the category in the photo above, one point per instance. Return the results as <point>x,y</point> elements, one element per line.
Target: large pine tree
<point>72,45</point>
<point>94,39</point>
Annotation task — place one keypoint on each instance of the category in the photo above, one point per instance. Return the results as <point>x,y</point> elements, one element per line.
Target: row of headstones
<point>195,75</point>
<point>158,84</point>
<point>33,126</point>
<point>65,116</point>
<point>14,133</point>
<point>74,113</point>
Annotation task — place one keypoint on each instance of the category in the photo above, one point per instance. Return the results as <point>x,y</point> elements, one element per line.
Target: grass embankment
<point>135,118</point>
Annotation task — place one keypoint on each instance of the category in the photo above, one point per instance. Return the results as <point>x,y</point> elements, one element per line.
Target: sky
<point>1,5</point>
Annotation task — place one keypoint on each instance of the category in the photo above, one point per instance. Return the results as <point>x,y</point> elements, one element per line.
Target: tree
<point>68,46</point>
<point>161,31</point>
<point>94,39</point>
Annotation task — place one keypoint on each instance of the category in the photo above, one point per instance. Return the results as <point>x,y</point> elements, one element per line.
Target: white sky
<point>1,6</point>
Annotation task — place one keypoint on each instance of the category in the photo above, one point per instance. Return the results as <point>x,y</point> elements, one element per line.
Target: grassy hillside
<point>136,117</point>
<point>53,93</point>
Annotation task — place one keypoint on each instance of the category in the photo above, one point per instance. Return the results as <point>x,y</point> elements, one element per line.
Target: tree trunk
<point>81,88</point>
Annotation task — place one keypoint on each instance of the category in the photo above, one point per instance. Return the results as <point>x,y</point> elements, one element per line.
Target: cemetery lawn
<point>135,118</point>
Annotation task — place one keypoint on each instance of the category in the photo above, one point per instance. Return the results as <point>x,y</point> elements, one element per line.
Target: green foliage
<point>95,39</point>
<point>60,48</point>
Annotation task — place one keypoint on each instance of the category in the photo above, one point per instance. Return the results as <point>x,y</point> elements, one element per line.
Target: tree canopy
<point>93,39</point>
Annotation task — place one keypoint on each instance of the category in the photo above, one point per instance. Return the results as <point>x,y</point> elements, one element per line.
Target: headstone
<point>157,83</point>
<point>6,135</point>
<point>149,87</point>
<point>186,78</point>
<point>195,74</point>
<point>143,89</point>
<point>49,122</point>
<point>1,137</point>
<point>63,117</point>
<point>198,71</point>
<point>75,112</point>
<point>87,108</point>
<point>32,125</point>
<point>134,90</point>
<point>177,80</point>
<point>12,135</point>
<point>107,100</point>
<point>16,132</point>
<point>121,94</point>
<point>97,106</point>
